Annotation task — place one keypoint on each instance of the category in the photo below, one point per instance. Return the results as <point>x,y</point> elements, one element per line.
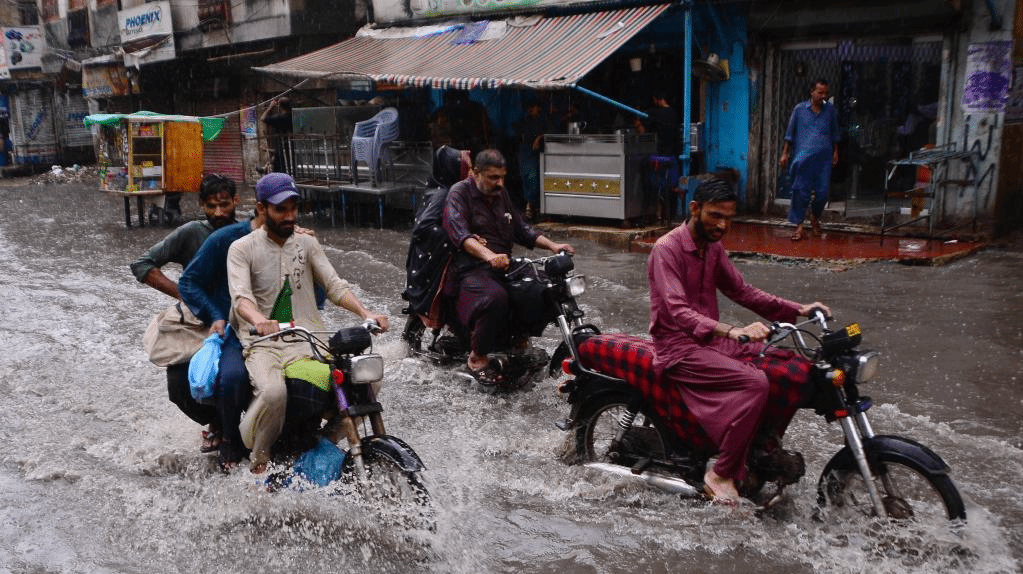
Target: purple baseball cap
<point>275,187</point>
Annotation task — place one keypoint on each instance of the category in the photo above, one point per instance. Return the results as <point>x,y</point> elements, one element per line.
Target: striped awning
<point>538,52</point>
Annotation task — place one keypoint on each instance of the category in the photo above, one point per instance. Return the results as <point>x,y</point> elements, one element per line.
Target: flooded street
<point>100,473</point>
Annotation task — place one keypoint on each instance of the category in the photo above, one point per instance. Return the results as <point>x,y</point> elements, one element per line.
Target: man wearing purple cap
<point>270,265</point>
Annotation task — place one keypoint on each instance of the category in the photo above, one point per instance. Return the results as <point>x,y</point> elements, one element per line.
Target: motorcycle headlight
<point>367,369</point>
<point>575,285</point>
<point>866,365</point>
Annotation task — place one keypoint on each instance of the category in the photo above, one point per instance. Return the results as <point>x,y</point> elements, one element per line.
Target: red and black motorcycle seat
<point>631,359</point>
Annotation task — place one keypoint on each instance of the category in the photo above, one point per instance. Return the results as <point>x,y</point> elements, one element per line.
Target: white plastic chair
<point>369,140</point>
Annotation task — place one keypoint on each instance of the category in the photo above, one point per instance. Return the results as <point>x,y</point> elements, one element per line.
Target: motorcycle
<point>621,426</point>
<point>541,292</point>
<point>378,463</point>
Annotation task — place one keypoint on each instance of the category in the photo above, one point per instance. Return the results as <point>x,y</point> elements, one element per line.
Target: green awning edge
<point>211,127</point>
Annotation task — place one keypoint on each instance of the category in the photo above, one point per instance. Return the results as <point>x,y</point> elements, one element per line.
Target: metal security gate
<point>886,92</point>
<point>32,126</point>
<point>75,139</point>
<point>224,154</point>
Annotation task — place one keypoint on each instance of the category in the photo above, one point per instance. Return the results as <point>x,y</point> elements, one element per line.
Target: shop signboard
<point>22,48</point>
<point>385,11</point>
<point>104,77</point>
<point>147,33</point>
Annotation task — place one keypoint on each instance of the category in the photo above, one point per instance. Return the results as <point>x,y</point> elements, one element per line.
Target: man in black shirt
<point>482,222</point>
<point>663,121</point>
<point>277,119</point>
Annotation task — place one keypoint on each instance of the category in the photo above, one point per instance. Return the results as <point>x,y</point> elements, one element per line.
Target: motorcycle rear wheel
<point>907,490</point>
<point>599,425</point>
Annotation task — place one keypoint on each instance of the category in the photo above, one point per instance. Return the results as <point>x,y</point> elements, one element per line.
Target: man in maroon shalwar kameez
<point>481,221</point>
<point>694,349</point>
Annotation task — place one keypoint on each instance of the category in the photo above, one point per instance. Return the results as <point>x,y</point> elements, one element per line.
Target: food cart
<point>148,155</point>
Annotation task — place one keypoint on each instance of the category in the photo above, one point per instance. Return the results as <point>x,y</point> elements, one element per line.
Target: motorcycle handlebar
<point>280,326</point>
<point>372,326</point>
<point>369,324</point>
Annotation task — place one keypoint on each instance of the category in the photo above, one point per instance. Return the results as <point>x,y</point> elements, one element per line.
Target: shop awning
<point>533,52</point>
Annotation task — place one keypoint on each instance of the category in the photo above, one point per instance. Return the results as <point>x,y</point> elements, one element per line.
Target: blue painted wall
<point>727,112</point>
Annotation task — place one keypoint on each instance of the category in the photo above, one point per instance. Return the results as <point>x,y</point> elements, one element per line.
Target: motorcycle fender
<point>897,447</point>
<point>395,450</point>
<point>589,390</point>
<point>560,354</point>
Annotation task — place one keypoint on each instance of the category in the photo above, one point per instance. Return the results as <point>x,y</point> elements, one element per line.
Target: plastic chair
<point>369,140</point>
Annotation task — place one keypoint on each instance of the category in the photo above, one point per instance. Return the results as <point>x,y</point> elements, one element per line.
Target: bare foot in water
<point>720,489</point>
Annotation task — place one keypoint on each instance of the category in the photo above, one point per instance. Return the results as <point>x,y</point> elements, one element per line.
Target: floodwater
<point>101,474</point>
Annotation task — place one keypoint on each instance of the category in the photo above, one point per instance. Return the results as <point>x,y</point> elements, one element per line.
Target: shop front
<point>593,71</point>
<point>893,78</point>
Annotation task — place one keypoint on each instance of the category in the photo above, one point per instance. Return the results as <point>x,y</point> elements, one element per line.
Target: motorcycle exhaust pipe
<point>668,483</point>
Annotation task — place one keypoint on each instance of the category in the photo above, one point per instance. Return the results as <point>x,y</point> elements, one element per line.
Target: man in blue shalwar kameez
<point>812,137</point>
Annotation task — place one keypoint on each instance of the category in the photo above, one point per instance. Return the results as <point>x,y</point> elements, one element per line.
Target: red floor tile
<point>766,239</point>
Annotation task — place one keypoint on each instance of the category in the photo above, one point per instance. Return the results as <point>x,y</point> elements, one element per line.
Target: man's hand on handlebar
<point>752,332</point>
<point>808,309</point>
<point>267,327</point>
<point>381,320</point>
<point>559,247</point>
<point>499,261</point>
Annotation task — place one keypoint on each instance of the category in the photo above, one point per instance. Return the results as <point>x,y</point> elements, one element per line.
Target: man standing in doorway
<point>812,137</point>
<point>278,121</point>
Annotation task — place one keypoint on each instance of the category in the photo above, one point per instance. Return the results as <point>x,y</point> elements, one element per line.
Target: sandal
<point>799,235</point>
<point>210,440</point>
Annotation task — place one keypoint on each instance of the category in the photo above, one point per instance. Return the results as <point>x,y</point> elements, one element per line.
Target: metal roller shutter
<point>224,154</point>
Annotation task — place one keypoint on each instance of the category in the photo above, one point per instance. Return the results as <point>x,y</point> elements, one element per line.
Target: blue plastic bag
<point>320,465</point>
<point>203,368</point>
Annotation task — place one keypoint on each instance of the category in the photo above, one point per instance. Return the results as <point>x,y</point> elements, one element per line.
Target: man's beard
<point>218,222</point>
<point>280,230</point>
<point>706,235</point>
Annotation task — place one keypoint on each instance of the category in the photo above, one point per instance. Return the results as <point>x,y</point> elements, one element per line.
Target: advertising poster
<point>988,77</point>
<point>23,47</point>
<point>248,122</point>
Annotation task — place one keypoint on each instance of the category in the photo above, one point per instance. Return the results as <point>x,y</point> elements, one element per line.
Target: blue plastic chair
<point>369,142</point>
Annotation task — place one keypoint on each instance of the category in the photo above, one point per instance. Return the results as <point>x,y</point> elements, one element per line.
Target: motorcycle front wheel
<point>398,496</point>
<point>599,425</point>
<point>908,491</point>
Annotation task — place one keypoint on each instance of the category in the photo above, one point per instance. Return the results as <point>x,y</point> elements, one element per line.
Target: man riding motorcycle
<point>482,223</point>
<point>708,359</point>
